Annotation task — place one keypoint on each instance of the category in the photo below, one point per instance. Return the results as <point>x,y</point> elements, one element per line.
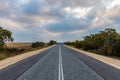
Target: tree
<point>38,44</point>
<point>109,35</point>
<point>5,35</point>
<point>51,42</point>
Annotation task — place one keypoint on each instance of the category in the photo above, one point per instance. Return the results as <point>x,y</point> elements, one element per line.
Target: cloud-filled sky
<point>60,20</point>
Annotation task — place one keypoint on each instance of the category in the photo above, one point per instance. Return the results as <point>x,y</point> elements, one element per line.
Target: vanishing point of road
<point>60,63</point>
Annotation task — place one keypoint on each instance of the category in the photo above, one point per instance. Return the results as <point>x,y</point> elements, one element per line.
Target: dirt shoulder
<point>107,60</point>
<point>11,60</point>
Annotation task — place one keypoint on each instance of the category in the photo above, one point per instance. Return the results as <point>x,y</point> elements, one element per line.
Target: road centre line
<point>60,76</point>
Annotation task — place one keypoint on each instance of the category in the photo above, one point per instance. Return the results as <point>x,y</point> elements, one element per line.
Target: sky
<point>60,20</point>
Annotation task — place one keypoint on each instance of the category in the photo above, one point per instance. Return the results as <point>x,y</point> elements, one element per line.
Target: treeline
<point>8,51</point>
<point>106,42</point>
<point>43,44</point>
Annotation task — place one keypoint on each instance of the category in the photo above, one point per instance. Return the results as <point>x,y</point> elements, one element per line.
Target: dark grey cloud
<point>32,7</point>
<point>73,3</point>
<point>68,25</point>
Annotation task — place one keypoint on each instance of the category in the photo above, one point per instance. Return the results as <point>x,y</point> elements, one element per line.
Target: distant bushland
<point>106,42</point>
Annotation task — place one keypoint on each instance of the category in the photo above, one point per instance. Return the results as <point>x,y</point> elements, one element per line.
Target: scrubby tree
<point>109,36</point>
<point>38,44</point>
<point>51,42</point>
<point>5,35</point>
<point>78,44</point>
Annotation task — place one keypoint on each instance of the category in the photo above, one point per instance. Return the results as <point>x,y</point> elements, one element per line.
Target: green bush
<point>38,44</point>
<point>52,42</point>
<point>87,47</point>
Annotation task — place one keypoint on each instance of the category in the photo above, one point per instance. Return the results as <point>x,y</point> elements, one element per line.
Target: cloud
<point>101,16</point>
<point>113,13</point>
<point>10,25</point>
<point>68,25</point>
<point>77,12</point>
<point>73,3</point>
<point>32,7</point>
<point>58,19</point>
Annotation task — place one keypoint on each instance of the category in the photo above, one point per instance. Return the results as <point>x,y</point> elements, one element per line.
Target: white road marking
<point>60,76</point>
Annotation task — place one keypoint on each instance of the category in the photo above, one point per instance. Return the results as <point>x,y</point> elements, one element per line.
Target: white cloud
<point>113,3</point>
<point>77,12</point>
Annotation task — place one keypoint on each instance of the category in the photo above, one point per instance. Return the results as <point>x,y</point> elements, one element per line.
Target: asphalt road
<point>60,63</point>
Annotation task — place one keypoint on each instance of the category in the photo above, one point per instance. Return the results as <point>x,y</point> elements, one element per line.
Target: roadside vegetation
<point>43,44</point>
<point>106,42</point>
<point>9,48</point>
<point>51,42</point>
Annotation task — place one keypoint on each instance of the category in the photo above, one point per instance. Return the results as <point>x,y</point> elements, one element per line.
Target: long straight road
<point>60,63</point>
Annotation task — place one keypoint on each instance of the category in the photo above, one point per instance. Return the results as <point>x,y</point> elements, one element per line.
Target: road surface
<point>60,63</point>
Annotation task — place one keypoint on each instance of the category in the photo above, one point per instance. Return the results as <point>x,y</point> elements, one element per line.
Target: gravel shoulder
<point>110,61</point>
<point>12,60</point>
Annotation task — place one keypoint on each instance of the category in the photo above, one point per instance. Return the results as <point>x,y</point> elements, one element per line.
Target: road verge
<point>12,60</point>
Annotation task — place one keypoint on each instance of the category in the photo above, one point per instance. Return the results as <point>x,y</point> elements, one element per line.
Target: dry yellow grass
<point>18,45</point>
